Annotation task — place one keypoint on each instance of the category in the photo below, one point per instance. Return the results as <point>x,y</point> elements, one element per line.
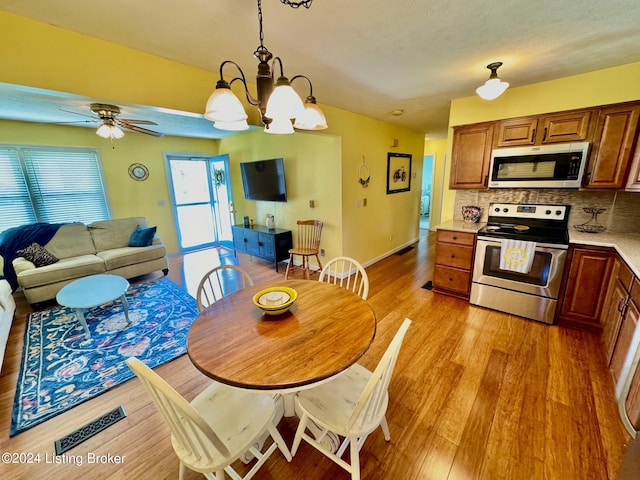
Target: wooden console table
<point>272,245</point>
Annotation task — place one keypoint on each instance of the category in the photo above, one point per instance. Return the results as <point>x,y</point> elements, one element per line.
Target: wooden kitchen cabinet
<point>587,269</point>
<point>544,129</point>
<point>615,305</point>
<point>470,157</point>
<point>454,262</point>
<point>612,145</point>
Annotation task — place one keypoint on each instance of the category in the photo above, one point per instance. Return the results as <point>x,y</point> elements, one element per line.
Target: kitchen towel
<point>517,255</point>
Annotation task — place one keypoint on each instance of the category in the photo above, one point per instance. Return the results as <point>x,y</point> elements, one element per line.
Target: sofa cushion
<point>120,257</point>
<point>71,240</point>
<point>110,234</point>
<point>141,236</point>
<point>64,269</point>
<point>38,255</point>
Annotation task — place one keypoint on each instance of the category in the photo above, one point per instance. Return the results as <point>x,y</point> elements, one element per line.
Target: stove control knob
<point>496,209</point>
<point>505,210</point>
<point>558,212</point>
<point>548,212</point>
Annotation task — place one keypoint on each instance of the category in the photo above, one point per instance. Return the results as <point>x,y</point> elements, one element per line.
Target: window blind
<point>57,185</point>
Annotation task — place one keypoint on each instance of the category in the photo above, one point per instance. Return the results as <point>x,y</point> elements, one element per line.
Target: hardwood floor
<point>475,394</point>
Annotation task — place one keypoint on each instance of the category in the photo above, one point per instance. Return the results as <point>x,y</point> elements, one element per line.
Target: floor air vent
<point>89,430</point>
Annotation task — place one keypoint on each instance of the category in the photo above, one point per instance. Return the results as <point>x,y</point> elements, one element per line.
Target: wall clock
<point>138,172</point>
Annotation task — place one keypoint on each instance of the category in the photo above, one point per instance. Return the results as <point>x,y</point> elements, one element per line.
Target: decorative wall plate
<point>138,172</point>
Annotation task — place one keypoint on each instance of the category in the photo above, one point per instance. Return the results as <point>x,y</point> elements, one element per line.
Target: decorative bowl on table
<point>471,213</point>
<point>275,300</point>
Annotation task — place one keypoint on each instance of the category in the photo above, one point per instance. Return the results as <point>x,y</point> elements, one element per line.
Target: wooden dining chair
<point>219,282</point>
<point>348,273</point>
<point>351,405</point>
<point>217,428</point>
<point>307,245</point>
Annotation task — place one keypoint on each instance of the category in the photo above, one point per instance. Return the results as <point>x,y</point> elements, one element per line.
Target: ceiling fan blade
<point>135,128</point>
<point>139,122</point>
<point>76,113</point>
<point>68,123</point>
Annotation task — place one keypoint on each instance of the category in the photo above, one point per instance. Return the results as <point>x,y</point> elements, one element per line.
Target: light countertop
<point>626,244</point>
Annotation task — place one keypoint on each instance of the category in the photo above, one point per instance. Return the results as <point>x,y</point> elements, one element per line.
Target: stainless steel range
<point>520,257</point>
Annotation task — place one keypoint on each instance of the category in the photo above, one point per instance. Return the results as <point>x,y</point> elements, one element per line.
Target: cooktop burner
<point>531,222</point>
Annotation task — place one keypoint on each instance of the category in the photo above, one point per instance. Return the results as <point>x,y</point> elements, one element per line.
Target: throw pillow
<point>141,236</point>
<point>38,255</point>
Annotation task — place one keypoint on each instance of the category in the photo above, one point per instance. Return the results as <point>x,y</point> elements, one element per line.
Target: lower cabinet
<point>259,241</point>
<point>587,270</point>
<point>454,263</point>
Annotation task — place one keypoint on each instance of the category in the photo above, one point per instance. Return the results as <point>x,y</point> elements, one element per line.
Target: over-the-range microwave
<point>546,166</point>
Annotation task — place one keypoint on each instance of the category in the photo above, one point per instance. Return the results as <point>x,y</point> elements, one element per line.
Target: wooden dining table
<point>326,330</point>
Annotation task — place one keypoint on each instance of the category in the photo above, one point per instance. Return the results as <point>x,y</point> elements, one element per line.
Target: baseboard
<point>390,252</point>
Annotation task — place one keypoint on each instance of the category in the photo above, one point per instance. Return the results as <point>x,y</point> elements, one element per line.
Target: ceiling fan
<point>111,125</point>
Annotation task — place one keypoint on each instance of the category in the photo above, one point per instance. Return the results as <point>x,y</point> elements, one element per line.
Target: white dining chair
<point>348,273</point>
<point>351,405</point>
<point>219,282</point>
<point>217,428</point>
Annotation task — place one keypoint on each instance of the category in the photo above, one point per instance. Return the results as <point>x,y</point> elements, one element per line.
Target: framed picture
<point>398,172</point>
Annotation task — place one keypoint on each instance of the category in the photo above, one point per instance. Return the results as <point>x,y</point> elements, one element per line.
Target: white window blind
<point>50,184</point>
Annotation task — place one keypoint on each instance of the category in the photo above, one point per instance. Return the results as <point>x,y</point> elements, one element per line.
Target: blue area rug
<point>61,369</point>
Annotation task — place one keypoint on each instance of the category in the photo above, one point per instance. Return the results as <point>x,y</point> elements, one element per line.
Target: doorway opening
<point>200,199</point>
<point>425,198</point>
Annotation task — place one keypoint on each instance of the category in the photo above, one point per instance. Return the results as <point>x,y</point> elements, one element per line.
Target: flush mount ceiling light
<point>280,106</point>
<point>494,87</point>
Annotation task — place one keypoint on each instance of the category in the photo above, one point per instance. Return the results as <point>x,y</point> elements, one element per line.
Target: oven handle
<point>539,245</point>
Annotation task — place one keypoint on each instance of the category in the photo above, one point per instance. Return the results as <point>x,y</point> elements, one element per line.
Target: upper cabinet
<point>471,155</point>
<point>612,132</point>
<point>544,129</point>
<point>612,145</point>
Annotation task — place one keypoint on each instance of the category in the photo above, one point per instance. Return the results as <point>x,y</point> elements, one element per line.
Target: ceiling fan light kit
<point>494,87</point>
<point>280,106</point>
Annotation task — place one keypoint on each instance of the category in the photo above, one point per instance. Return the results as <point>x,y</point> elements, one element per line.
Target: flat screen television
<point>264,180</point>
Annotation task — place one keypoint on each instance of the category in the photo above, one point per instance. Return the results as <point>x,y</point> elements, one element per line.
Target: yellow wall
<point>611,85</point>
<point>43,56</point>
<point>127,197</point>
<point>437,148</point>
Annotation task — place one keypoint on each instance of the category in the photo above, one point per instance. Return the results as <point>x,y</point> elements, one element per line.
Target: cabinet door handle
<point>622,306</point>
<point>453,256</point>
<point>455,238</point>
<point>486,180</point>
<point>533,135</point>
<point>544,135</point>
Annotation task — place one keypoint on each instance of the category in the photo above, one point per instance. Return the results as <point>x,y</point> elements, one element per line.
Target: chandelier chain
<point>292,4</point>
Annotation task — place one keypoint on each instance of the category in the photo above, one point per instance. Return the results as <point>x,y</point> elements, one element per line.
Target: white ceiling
<point>369,57</point>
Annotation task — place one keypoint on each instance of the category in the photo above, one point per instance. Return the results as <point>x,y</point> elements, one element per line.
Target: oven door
<point>543,279</point>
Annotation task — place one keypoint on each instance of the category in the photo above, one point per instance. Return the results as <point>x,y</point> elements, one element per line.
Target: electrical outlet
<point>312,203</point>
<point>364,202</point>
<point>322,252</point>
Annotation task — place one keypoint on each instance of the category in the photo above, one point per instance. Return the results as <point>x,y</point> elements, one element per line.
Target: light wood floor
<point>476,394</point>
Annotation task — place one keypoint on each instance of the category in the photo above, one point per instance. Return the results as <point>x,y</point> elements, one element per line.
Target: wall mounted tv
<point>264,180</point>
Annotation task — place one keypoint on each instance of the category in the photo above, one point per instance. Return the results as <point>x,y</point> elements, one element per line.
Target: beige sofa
<point>101,247</point>
<point>7,310</point>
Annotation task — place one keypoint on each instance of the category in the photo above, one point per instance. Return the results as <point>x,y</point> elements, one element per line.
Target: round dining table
<point>326,330</point>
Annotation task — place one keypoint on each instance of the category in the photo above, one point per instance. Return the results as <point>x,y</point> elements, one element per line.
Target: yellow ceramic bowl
<point>275,300</point>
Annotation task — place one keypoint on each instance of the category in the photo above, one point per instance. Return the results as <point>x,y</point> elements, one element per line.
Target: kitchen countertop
<point>626,244</point>
<point>460,226</point>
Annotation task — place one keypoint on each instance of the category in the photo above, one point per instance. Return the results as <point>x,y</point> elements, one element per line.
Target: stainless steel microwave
<point>546,166</point>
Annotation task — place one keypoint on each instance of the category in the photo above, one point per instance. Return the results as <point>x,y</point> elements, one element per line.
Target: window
<point>50,184</point>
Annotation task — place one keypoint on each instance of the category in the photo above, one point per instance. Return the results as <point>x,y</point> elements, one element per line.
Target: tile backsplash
<point>622,214</point>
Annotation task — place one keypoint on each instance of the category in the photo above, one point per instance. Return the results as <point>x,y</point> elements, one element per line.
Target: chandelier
<point>494,87</point>
<point>280,106</point>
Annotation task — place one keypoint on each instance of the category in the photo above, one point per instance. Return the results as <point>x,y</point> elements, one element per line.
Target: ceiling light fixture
<point>494,87</point>
<point>109,130</point>
<point>278,102</point>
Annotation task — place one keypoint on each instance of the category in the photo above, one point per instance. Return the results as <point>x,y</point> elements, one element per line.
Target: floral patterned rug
<point>61,369</point>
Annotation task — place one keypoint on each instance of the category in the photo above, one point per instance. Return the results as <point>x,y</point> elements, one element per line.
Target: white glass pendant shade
<point>280,126</point>
<point>284,102</point>
<point>231,126</point>
<point>492,88</point>
<point>109,131</point>
<point>224,106</point>
<point>311,119</point>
